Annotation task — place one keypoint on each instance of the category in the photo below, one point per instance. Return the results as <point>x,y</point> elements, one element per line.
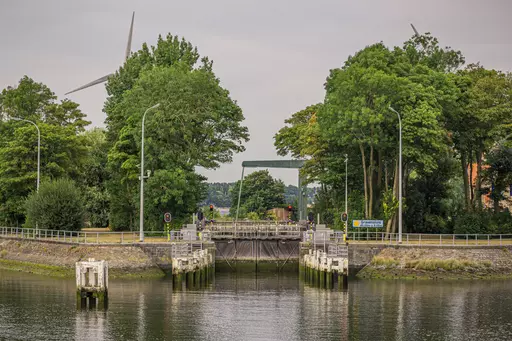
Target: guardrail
<point>336,237</point>
<point>427,239</point>
<point>254,231</point>
<point>89,237</point>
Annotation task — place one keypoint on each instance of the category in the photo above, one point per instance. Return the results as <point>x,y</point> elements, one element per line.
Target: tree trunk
<point>363,158</point>
<point>471,192</point>
<point>378,192</point>
<point>464,164</point>
<point>386,185</point>
<point>478,187</point>
<point>370,179</point>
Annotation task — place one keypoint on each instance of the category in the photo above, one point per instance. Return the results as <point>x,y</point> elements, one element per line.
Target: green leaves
<point>57,206</point>
<point>260,192</point>
<point>196,124</point>
<point>62,148</point>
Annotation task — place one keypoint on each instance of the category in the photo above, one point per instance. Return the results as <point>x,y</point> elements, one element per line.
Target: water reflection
<point>419,310</point>
<point>252,307</point>
<point>90,325</point>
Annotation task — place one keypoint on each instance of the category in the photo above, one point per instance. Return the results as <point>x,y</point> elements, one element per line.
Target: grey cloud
<point>273,56</point>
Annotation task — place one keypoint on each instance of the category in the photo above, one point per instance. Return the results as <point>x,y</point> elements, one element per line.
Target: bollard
<point>92,284</point>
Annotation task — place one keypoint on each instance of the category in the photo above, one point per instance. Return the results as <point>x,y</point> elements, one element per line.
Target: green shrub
<point>483,222</point>
<point>253,216</point>
<point>58,205</point>
<point>472,223</point>
<point>501,223</point>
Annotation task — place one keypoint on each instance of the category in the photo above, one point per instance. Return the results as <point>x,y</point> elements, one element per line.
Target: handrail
<point>279,231</point>
<point>428,238</point>
<point>107,237</point>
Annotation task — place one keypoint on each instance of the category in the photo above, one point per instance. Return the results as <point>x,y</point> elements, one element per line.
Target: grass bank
<point>69,272</point>
<point>439,264</point>
<point>58,260</point>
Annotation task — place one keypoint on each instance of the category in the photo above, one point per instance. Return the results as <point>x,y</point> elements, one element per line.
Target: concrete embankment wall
<point>432,261</point>
<point>124,260</point>
<point>359,255</point>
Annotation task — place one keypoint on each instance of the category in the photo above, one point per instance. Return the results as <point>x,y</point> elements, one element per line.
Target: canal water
<point>258,307</point>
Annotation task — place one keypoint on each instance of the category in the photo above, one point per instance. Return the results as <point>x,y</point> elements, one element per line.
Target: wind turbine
<point>105,78</point>
<point>415,30</point>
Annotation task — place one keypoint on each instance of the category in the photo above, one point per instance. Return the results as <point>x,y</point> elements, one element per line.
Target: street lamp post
<point>38,147</point>
<point>346,194</point>
<point>399,178</point>
<point>142,177</point>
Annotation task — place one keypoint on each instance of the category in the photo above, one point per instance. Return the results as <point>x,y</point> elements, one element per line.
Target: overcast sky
<point>272,55</point>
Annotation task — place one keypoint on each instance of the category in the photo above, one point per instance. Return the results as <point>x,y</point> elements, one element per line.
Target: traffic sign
<point>167,217</point>
<point>344,217</point>
<point>368,223</point>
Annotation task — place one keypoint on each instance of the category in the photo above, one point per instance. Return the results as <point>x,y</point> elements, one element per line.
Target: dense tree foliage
<point>260,192</point>
<point>451,118</point>
<point>62,148</point>
<point>219,194</point>
<point>57,206</point>
<point>94,178</point>
<point>197,124</point>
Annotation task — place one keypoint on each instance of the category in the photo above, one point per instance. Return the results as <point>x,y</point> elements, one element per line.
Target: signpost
<point>344,218</point>
<point>367,223</point>
<point>167,221</point>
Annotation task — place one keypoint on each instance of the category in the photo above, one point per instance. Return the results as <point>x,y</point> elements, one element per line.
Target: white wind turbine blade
<point>105,78</point>
<point>415,30</point>
<point>129,45</point>
<point>97,81</point>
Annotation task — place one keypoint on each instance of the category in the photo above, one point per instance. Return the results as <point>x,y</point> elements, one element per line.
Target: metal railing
<point>427,239</point>
<point>91,237</point>
<point>271,231</point>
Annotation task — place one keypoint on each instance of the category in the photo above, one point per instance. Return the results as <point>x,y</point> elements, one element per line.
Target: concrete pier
<point>325,269</point>
<point>193,271</point>
<point>92,284</point>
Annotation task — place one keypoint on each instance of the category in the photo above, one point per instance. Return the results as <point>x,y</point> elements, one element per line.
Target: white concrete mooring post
<point>92,283</point>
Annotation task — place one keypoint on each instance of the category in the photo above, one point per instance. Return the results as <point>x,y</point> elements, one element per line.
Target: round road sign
<point>344,217</point>
<point>167,217</point>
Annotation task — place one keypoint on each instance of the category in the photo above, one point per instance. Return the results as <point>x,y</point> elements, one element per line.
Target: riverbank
<point>439,263</point>
<point>58,259</point>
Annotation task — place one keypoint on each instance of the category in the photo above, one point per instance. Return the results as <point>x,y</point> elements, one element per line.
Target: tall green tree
<point>94,178</point>
<point>260,193</point>
<point>197,124</point>
<point>482,119</point>
<point>62,148</point>
<point>355,119</point>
